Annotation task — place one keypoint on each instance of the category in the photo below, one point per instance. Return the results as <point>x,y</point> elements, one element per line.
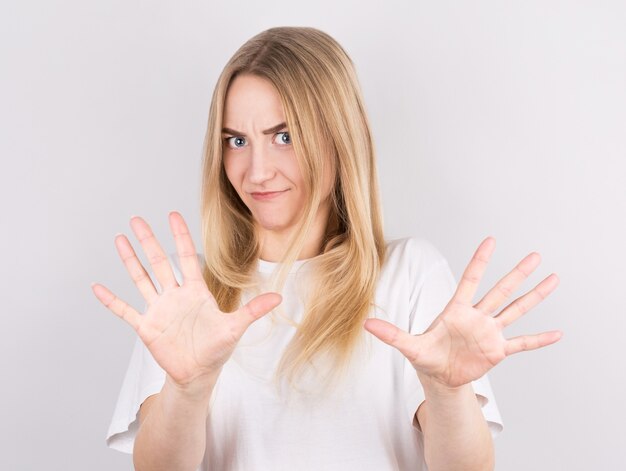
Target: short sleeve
<point>433,287</point>
<point>144,377</point>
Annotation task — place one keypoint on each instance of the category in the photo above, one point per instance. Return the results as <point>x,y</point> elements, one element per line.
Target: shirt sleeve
<point>432,289</point>
<point>144,377</point>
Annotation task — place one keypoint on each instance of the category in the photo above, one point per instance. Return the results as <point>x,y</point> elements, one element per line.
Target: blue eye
<point>284,138</point>
<point>235,142</point>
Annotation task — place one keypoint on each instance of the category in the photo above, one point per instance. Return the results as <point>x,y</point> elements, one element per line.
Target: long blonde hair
<point>325,116</point>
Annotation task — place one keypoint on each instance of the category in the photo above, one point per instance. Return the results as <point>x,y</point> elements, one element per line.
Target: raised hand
<point>183,327</point>
<point>465,340</point>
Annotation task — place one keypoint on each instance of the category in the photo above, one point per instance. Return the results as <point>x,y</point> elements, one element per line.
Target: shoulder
<point>414,283</point>
<point>416,254</point>
<point>409,262</point>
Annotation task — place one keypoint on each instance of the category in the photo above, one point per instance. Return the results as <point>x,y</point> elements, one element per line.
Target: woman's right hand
<point>183,327</point>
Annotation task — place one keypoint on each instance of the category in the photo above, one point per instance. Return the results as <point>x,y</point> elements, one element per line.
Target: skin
<point>256,162</point>
<point>463,343</point>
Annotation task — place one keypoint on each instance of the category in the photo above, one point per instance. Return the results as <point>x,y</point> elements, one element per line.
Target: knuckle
<point>129,258</point>
<point>524,343</point>
<point>518,269</point>
<point>541,294</point>
<point>506,290</point>
<point>182,234</point>
<point>124,311</point>
<point>141,277</point>
<point>521,309</point>
<point>481,259</point>
<point>157,258</point>
<point>110,303</point>
<point>471,277</point>
<point>394,338</point>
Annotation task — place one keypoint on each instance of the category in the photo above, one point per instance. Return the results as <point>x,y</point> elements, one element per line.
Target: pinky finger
<point>524,343</point>
<point>116,305</point>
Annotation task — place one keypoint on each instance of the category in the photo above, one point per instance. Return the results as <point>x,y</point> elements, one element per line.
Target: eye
<point>283,138</point>
<point>235,142</point>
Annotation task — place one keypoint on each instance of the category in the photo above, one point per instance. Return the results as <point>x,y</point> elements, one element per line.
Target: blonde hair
<point>325,116</point>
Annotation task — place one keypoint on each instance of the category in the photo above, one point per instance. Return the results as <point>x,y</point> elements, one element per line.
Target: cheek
<point>231,170</point>
<point>291,170</point>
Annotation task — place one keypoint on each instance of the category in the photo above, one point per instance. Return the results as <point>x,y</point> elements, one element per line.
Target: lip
<point>267,195</point>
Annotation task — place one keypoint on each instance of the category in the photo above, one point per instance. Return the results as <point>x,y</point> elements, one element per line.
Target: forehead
<point>251,99</point>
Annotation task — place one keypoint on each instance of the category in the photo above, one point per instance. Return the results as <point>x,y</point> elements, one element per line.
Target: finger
<point>156,256</point>
<point>116,305</point>
<point>392,335</point>
<point>472,275</point>
<point>525,303</point>
<point>531,342</point>
<point>257,308</point>
<point>505,288</point>
<point>189,266</point>
<point>134,267</point>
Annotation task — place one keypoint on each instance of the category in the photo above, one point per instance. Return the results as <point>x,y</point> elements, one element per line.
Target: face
<point>259,158</point>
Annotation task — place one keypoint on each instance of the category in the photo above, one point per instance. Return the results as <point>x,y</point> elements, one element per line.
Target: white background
<point>490,118</point>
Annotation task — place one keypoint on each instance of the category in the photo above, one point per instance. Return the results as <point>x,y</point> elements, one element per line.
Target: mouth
<point>267,195</point>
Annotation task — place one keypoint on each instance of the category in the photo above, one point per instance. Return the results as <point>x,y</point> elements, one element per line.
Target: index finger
<point>189,265</point>
<point>472,275</point>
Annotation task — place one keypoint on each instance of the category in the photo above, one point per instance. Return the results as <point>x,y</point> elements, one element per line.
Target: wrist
<point>434,388</point>
<point>198,390</point>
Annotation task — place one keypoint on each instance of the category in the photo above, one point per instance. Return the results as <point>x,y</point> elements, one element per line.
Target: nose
<point>261,168</point>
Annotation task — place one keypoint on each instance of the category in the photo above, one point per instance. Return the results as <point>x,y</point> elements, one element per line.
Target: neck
<point>274,243</point>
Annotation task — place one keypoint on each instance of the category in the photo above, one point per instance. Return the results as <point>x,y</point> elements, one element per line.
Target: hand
<point>183,327</point>
<point>465,341</point>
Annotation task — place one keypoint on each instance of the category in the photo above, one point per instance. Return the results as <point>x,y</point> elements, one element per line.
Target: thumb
<point>392,335</point>
<point>258,307</point>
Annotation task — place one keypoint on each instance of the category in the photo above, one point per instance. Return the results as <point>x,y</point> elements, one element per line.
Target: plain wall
<point>490,118</point>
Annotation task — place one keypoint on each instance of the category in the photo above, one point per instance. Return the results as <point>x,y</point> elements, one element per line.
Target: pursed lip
<point>267,195</point>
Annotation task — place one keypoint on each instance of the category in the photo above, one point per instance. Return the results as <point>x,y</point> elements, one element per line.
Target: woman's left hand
<point>465,341</point>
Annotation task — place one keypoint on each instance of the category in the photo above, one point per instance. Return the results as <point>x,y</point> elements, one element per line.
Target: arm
<point>456,435</point>
<point>172,430</point>
<point>187,335</point>
<point>460,346</point>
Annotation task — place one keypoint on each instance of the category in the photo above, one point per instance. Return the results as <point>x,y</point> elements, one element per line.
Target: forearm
<point>172,437</point>
<point>456,435</point>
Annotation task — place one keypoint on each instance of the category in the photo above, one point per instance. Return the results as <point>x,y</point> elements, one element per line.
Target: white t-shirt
<point>367,422</point>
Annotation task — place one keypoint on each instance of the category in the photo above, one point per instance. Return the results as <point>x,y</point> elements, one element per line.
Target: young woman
<point>227,374</point>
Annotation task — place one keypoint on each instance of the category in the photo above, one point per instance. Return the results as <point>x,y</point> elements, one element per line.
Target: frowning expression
<point>259,158</point>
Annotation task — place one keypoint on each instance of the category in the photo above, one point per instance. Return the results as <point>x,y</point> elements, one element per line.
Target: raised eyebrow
<point>271,130</point>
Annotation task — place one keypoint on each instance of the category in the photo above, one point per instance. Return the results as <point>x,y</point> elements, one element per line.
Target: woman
<point>224,377</point>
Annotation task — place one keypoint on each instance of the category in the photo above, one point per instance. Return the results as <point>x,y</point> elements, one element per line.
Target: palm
<point>183,327</point>
<point>186,333</point>
<point>464,345</point>
<point>465,341</point>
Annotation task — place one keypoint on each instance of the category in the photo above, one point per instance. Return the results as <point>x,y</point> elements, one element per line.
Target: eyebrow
<point>271,130</point>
